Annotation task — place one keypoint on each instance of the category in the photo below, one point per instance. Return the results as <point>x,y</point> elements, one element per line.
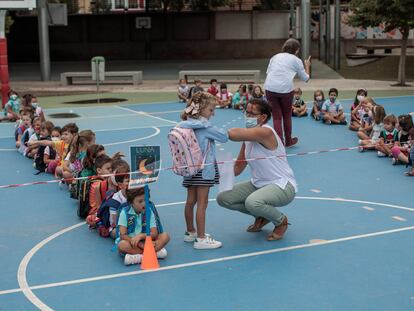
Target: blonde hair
<point>198,102</point>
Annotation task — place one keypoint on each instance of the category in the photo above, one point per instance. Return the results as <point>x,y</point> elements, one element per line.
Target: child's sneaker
<point>190,236</point>
<point>328,122</point>
<point>394,161</point>
<point>361,149</point>
<point>344,122</point>
<point>207,243</point>
<point>162,253</point>
<point>380,154</point>
<point>132,259</point>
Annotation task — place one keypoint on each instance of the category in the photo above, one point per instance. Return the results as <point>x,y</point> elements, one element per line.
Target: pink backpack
<point>188,159</point>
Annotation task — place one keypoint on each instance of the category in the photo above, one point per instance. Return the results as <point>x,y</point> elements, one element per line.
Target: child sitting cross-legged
<point>333,112</point>
<point>318,100</point>
<point>404,153</point>
<point>388,136</point>
<point>299,108</point>
<point>369,141</point>
<point>131,228</point>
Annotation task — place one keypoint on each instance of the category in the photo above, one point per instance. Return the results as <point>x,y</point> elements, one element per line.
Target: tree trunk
<point>401,68</point>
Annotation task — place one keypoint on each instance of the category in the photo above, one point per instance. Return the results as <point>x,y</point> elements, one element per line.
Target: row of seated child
<point>329,111</point>
<point>98,181</point>
<point>238,100</point>
<point>389,135</point>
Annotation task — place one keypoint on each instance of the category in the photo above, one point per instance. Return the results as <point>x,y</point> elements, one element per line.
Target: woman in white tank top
<point>272,183</point>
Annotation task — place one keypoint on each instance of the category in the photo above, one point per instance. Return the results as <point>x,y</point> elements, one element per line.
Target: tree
<point>394,14</point>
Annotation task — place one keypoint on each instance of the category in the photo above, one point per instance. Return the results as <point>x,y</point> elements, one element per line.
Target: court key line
<point>146,114</point>
<point>157,131</point>
<point>27,290</point>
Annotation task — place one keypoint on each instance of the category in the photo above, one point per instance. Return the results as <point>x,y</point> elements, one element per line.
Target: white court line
<point>8,150</point>
<point>399,218</point>
<point>368,208</point>
<point>27,291</point>
<point>157,131</point>
<point>33,298</point>
<point>146,114</point>
<point>130,128</point>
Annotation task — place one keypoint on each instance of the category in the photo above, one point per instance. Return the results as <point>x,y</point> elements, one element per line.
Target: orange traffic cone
<point>149,258</point>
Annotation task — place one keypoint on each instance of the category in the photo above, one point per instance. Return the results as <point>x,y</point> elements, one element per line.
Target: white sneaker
<point>359,141</point>
<point>162,253</point>
<point>381,155</point>
<point>328,122</point>
<point>191,236</point>
<point>394,161</point>
<point>132,259</point>
<point>207,243</point>
<point>361,149</point>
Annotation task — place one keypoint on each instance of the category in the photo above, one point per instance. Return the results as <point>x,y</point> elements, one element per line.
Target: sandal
<point>411,174</point>
<point>259,223</point>
<point>278,231</point>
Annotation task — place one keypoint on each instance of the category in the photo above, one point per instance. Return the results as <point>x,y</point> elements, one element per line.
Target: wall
<point>173,36</point>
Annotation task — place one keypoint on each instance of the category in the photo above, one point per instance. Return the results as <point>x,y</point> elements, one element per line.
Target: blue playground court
<point>349,246</point>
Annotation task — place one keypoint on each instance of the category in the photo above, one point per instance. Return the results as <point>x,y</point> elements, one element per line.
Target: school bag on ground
<point>188,159</point>
<point>103,214</point>
<point>83,195</point>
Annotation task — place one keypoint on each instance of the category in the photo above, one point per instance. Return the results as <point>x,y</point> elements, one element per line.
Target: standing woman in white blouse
<point>272,182</point>
<point>282,68</point>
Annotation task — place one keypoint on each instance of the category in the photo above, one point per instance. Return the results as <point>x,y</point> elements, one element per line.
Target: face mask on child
<point>250,122</point>
<point>55,138</point>
<point>360,98</point>
<point>332,99</point>
<point>318,97</point>
<point>13,97</point>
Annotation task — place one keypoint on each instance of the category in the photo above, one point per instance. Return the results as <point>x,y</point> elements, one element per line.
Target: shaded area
<point>65,115</point>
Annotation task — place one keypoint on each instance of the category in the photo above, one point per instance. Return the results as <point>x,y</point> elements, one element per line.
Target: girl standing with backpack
<point>196,116</point>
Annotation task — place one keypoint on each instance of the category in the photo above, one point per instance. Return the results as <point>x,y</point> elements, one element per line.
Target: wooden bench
<point>254,75</point>
<point>67,78</point>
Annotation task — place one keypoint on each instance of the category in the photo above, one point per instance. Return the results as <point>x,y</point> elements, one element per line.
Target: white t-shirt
<point>280,72</point>
<point>119,197</point>
<point>224,96</point>
<point>273,170</point>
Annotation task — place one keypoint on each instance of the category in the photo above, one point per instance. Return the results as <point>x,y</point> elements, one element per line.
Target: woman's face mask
<point>360,98</point>
<point>250,122</point>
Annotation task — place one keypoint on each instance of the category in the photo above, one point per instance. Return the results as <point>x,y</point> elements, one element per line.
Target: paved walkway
<point>162,76</point>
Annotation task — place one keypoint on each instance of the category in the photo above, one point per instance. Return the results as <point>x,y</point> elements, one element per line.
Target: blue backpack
<point>103,214</point>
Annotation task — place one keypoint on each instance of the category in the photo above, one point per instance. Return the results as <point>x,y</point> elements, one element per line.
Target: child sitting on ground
<point>12,107</point>
<point>195,89</point>
<point>388,136</point>
<point>241,98</point>
<point>368,142</point>
<point>183,91</point>
<point>333,112</point>
<point>213,87</point>
<point>132,227</point>
<point>258,93</point>
<point>50,153</point>
<point>360,96</point>
<point>26,122</point>
<point>31,151</point>
<point>45,132</point>
<point>224,97</point>
<point>299,108</point>
<point>318,100</point>
<point>403,153</point>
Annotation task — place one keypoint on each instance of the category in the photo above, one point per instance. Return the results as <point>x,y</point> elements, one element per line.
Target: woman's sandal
<point>278,231</point>
<point>258,225</point>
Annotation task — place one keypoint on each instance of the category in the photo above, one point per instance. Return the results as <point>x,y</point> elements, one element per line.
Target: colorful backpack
<point>83,195</point>
<point>188,159</point>
<point>103,214</point>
